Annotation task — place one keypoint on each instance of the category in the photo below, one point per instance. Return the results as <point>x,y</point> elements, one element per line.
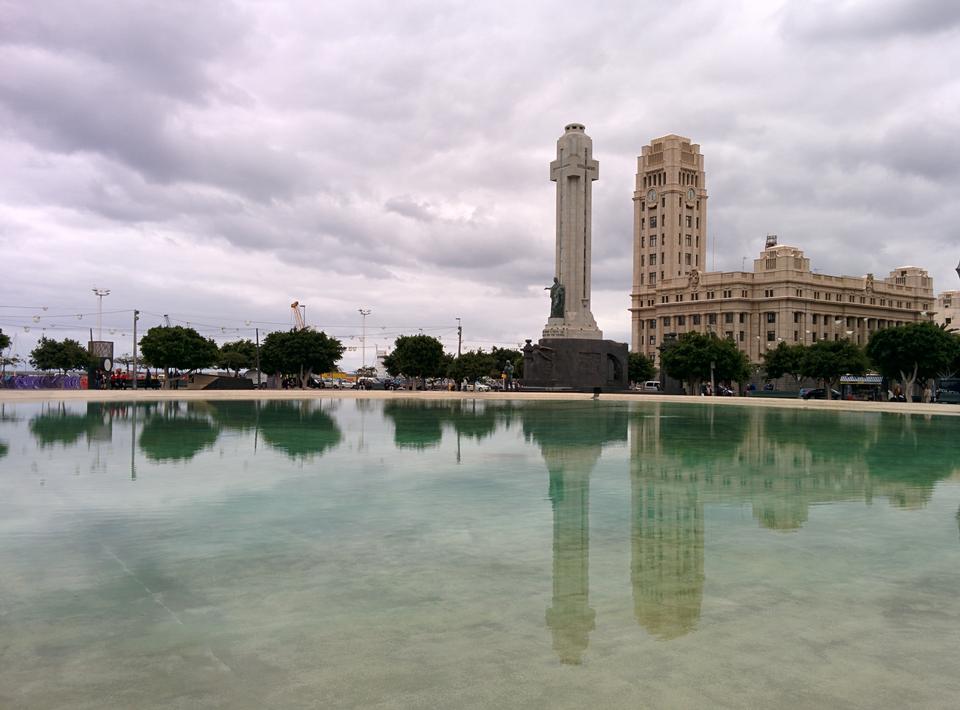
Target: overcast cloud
<point>217,160</point>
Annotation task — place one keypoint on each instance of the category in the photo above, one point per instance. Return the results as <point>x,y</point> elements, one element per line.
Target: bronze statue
<point>557,298</point>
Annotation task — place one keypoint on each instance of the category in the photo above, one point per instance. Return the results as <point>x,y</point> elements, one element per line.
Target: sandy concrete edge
<point>154,395</point>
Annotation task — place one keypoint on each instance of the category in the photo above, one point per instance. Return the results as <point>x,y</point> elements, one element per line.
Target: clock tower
<point>669,226</point>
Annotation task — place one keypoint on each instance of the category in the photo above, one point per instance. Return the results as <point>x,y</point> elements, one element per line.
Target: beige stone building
<point>947,309</point>
<point>780,300</point>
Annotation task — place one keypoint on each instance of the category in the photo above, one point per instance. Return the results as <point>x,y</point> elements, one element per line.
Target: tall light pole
<point>136,317</point>
<point>100,293</point>
<point>364,312</point>
<point>459,335</point>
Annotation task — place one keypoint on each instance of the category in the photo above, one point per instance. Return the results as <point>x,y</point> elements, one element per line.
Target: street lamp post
<point>364,312</point>
<point>100,293</point>
<point>460,332</point>
<point>136,317</point>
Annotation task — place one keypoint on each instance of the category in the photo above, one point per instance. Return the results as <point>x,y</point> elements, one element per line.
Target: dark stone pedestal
<point>575,364</point>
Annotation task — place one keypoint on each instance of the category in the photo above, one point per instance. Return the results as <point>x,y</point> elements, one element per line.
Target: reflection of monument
<point>571,440</point>
<point>572,352</point>
<point>570,617</point>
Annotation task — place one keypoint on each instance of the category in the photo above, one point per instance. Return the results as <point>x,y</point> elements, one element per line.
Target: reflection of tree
<point>174,432</point>
<point>57,424</point>
<point>908,455</point>
<point>298,429</point>
<point>239,415</point>
<point>477,420</point>
<point>4,449</point>
<point>698,431</point>
<point>416,425</point>
<point>571,437</point>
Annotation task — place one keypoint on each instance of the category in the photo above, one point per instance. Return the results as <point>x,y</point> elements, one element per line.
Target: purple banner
<point>43,382</point>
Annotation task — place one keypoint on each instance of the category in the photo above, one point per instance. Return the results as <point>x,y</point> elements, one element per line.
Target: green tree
<point>691,357</point>
<point>827,360</point>
<point>366,371</point>
<point>913,351</point>
<point>415,356</point>
<point>5,359</point>
<point>472,365</point>
<point>299,353</point>
<point>55,355</point>
<point>785,360</point>
<point>640,367</point>
<point>178,347</point>
<point>237,355</point>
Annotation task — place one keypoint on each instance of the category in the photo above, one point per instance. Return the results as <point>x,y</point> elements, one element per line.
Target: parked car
<point>651,386</point>
<point>481,387</point>
<point>819,393</point>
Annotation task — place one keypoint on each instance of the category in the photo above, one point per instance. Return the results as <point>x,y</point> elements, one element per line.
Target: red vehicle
<point>121,380</point>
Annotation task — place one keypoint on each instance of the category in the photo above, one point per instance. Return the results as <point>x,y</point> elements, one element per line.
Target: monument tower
<point>574,171</point>
<point>572,354</point>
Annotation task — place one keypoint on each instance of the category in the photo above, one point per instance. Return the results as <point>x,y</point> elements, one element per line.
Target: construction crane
<point>299,323</point>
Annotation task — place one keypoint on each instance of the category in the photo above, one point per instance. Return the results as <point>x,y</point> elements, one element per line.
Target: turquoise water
<point>394,554</point>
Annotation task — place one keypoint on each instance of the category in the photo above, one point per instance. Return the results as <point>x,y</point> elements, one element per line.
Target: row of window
<point>688,260</point>
<point>695,319</point>
<point>770,293</point>
<point>770,317</point>
<point>691,222</point>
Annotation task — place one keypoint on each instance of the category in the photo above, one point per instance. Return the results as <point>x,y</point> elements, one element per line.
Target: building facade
<point>947,309</point>
<point>780,300</point>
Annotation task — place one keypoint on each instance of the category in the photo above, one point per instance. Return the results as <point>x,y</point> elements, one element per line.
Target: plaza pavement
<point>159,395</point>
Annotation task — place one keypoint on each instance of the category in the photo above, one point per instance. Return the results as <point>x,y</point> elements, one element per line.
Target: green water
<point>399,554</point>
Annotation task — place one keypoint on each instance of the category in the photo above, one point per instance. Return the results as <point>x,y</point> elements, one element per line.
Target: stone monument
<point>572,353</point>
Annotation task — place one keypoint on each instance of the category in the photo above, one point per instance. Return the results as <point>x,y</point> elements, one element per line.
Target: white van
<point>651,386</point>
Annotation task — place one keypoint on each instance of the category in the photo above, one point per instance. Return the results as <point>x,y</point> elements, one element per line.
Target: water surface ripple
<point>399,553</point>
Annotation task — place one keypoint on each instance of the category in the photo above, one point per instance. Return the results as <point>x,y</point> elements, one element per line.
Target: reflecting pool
<point>480,554</point>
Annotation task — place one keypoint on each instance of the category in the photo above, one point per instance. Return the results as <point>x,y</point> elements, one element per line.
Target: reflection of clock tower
<point>669,230</point>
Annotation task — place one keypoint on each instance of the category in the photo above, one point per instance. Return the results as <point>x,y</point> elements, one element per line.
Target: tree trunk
<point>908,382</point>
<point>305,376</point>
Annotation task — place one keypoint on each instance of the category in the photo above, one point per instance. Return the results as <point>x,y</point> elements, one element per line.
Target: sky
<point>215,161</point>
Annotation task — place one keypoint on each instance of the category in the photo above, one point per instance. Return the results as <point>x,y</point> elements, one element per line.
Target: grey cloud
<point>392,152</point>
<point>167,47</point>
<point>408,207</point>
<point>827,20</point>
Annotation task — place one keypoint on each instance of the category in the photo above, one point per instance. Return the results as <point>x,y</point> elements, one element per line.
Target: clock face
<point>691,194</point>
<point>107,364</point>
<point>652,196</point>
